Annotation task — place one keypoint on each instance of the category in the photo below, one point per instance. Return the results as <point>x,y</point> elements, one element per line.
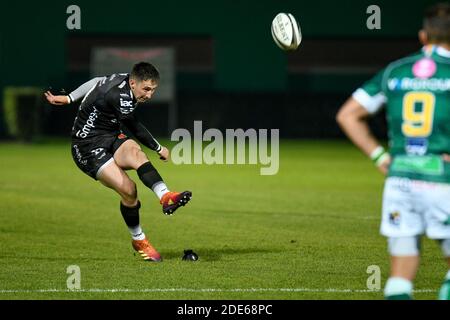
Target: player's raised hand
<point>164,154</point>
<point>56,100</point>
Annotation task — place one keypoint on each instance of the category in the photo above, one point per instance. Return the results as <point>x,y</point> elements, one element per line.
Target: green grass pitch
<point>309,232</point>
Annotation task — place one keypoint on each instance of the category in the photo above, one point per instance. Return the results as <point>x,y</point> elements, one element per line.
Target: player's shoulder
<point>441,56</point>
<point>403,62</point>
<point>399,68</point>
<point>115,80</point>
<point>116,85</point>
<point>120,79</point>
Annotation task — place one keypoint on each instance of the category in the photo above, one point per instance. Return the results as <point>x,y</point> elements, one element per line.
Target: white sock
<point>396,285</point>
<point>137,233</point>
<point>160,189</point>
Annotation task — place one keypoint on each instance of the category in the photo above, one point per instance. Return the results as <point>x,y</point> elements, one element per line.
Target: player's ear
<point>423,37</point>
<point>132,83</point>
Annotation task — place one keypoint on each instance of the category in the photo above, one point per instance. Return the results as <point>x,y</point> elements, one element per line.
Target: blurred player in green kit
<point>416,93</point>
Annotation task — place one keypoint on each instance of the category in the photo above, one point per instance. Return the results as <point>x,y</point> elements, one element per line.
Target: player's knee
<point>404,246</point>
<point>137,154</point>
<point>135,148</point>
<point>129,192</point>
<point>341,116</point>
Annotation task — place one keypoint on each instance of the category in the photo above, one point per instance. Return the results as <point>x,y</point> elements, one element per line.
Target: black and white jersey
<point>103,107</point>
<point>107,105</point>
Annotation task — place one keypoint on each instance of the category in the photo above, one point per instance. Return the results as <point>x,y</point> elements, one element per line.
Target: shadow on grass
<point>208,254</point>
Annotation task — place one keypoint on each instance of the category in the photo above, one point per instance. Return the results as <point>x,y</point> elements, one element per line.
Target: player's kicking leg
<point>130,156</point>
<point>115,178</point>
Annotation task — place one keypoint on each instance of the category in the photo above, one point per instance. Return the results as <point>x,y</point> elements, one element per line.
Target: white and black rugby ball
<point>286,31</point>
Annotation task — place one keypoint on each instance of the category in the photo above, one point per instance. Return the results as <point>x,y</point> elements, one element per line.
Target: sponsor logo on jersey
<point>90,124</point>
<point>126,103</point>
<point>394,218</point>
<point>98,151</point>
<point>125,110</point>
<point>424,68</point>
<point>122,84</point>
<point>125,95</point>
<point>79,156</point>
<point>432,84</point>
<point>416,146</point>
<point>126,106</point>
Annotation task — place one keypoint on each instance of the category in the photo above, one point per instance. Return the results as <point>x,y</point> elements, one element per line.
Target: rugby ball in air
<point>286,31</point>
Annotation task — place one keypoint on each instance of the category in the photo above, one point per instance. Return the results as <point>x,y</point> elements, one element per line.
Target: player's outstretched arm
<point>84,89</point>
<point>75,95</point>
<point>352,118</point>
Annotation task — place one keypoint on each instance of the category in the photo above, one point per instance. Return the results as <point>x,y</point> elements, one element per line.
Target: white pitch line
<point>122,290</point>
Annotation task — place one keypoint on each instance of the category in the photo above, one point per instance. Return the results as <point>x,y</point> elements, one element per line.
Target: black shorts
<point>92,155</point>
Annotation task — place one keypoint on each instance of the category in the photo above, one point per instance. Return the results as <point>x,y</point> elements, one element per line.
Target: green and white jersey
<point>416,93</point>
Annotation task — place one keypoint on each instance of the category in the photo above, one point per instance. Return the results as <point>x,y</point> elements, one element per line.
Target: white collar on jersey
<point>443,52</point>
<point>438,49</point>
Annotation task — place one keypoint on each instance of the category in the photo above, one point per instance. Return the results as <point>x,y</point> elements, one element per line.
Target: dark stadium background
<point>229,73</point>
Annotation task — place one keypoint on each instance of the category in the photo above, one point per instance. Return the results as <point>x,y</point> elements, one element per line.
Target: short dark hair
<point>436,23</point>
<point>144,71</point>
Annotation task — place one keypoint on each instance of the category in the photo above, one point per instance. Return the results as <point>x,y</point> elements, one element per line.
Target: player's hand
<point>164,154</point>
<point>384,166</point>
<point>56,100</point>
